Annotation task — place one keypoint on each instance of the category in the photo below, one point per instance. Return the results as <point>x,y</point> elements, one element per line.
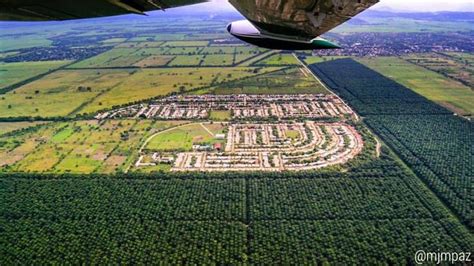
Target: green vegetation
<point>8,43</point>
<point>148,83</point>
<point>6,127</point>
<point>445,91</point>
<point>11,73</point>
<point>279,59</point>
<point>291,80</point>
<point>127,221</point>
<point>457,66</point>
<point>220,115</point>
<point>77,147</point>
<point>292,134</point>
<point>60,93</point>
<point>376,212</point>
<point>435,144</point>
<point>180,138</point>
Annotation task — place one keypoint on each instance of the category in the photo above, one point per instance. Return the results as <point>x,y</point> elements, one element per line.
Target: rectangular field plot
<point>279,59</point>
<point>112,58</point>
<point>6,127</point>
<point>60,93</point>
<point>217,50</point>
<point>11,73</point>
<point>293,80</point>
<point>154,60</point>
<point>217,60</point>
<point>164,200</point>
<point>185,43</point>
<point>186,60</point>
<point>186,51</point>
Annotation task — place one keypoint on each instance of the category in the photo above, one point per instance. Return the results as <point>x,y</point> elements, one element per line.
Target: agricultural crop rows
<point>436,145</point>
<point>306,217</point>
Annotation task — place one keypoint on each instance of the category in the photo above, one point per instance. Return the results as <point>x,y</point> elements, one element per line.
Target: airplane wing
<point>36,10</point>
<point>274,24</point>
<point>300,19</point>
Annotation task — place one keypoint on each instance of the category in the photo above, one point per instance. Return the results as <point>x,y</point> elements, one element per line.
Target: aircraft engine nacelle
<point>247,32</point>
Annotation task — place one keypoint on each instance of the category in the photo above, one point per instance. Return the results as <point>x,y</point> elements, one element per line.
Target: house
<point>220,136</point>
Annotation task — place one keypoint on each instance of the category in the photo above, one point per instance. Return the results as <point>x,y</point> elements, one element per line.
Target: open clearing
<point>180,138</point>
<point>218,115</point>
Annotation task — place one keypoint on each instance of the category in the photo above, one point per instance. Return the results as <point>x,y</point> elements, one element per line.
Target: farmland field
<point>148,83</point>
<point>291,80</point>
<point>11,73</point>
<point>455,66</point>
<point>447,92</point>
<point>236,220</point>
<point>78,147</point>
<point>59,93</point>
<point>6,127</point>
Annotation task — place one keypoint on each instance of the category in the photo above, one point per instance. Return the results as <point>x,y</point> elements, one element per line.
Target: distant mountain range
<point>436,16</point>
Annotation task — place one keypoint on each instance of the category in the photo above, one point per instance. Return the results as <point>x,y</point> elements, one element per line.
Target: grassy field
<point>292,134</point>
<point>216,128</point>
<point>279,59</point>
<point>447,92</point>
<point>154,60</point>
<point>11,73</point>
<point>59,93</point>
<point>148,83</point>
<point>185,43</point>
<point>180,139</point>
<point>458,67</point>
<point>318,59</point>
<point>291,80</point>
<point>78,147</point>
<point>6,127</point>
<point>220,115</point>
<point>23,42</point>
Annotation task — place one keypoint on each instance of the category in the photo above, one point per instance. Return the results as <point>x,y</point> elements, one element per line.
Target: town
<point>275,147</point>
<point>302,136</point>
<point>240,107</point>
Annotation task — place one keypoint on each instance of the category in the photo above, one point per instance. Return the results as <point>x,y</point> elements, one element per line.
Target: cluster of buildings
<point>277,147</point>
<point>240,106</point>
<point>267,147</point>
<point>395,43</point>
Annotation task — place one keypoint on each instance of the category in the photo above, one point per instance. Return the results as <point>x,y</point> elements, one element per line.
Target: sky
<point>408,5</point>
